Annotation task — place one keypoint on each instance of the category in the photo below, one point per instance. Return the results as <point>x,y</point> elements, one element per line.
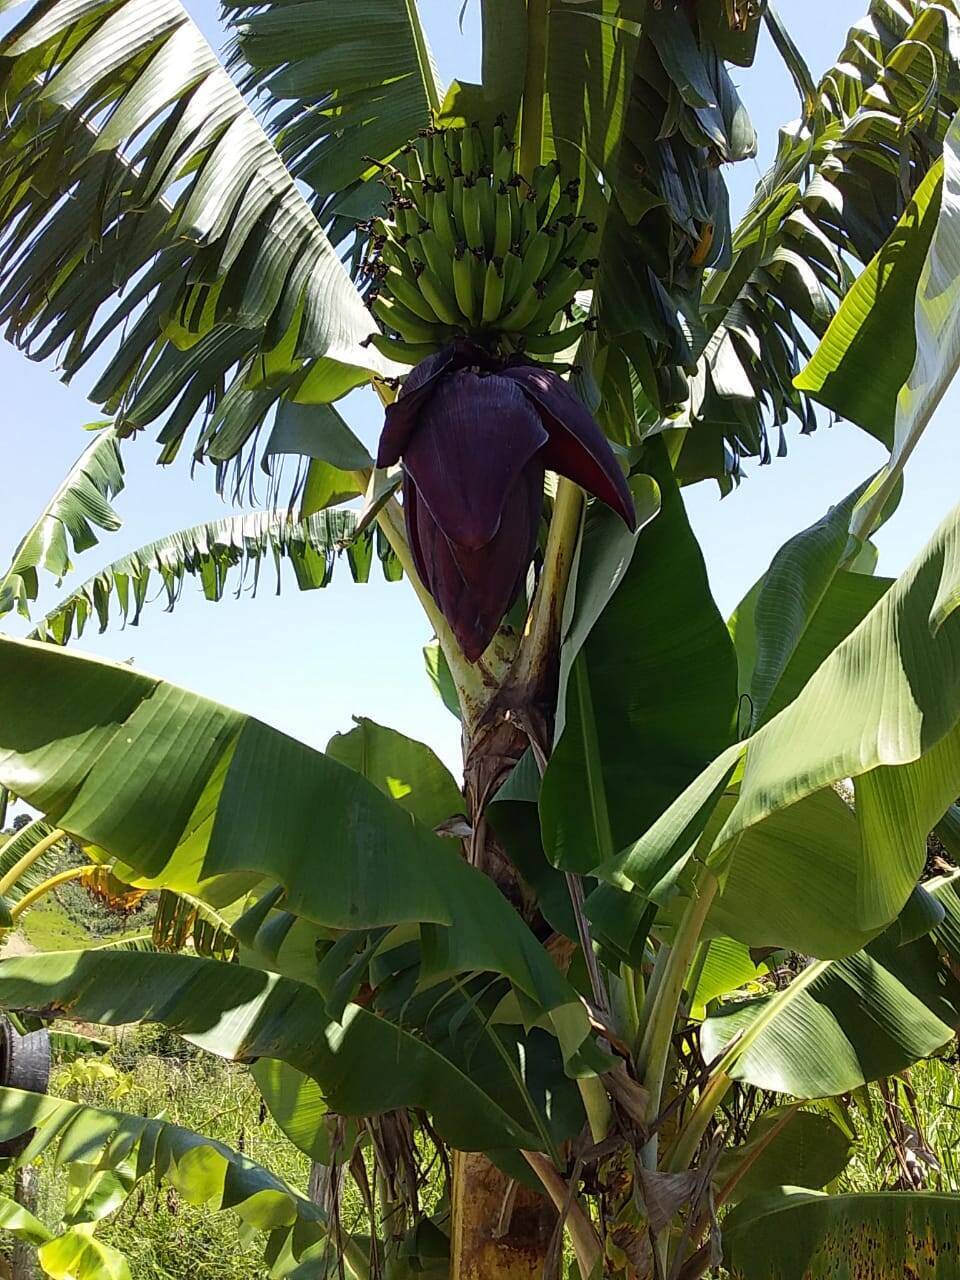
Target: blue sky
<point>308,662</point>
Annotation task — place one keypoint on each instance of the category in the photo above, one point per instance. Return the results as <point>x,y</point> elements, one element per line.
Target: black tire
<point>24,1064</point>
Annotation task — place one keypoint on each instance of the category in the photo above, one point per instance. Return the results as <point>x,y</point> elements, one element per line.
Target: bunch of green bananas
<point>471,247</point>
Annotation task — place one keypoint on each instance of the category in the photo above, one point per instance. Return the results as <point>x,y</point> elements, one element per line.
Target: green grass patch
<point>48,928</point>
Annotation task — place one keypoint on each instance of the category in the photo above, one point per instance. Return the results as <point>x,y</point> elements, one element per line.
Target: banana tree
<point>539,277</point>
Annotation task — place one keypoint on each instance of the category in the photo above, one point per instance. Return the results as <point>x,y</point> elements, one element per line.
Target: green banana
<point>493,291</point>
<point>395,256</point>
<point>442,222</point>
<point>414,165</point>
<point>488,213</point>
<point>557,249</point>
<point>529,222</point>
<point>411,296</point>
<point>548,344</point>
<point>463,284</point>
<point>438,158</point>
<point>441,301</point>
<point>544,180</point>
<point>401,351</point>
<point>560,291</point>
<point>512,267</point>
<point>478,275</point>
<point>451,145</point>
<point>435,256</point>
<point>470,153</point>
<point>408,218</point>
<point>503,221</point>
<point>579,242</point>
<point>503,149</point>
<point>456,205</point>
<point>473,215</point>
<point>520,316</point>
<point>410,327</point>
<point>532,263</point>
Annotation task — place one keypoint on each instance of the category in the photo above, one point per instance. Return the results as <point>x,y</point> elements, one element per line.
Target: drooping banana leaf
<point>18,845</point>
<point>220,553</point>
<point>860,1019</point>
<point>181,920</point>
<point>81,503</point>
<point>842,177</point>
<point>192,258</point>
<point>365,1064</point>
<point>351,87</point>
<point>192,796</point>
<point>202,1170</point>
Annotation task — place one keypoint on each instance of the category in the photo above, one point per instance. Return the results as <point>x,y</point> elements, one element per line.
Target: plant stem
<point>658,1032</point>
<point>597,1106</point>
<point>685,1149</point>
<point>547,614</point>
<point>534,86</point>
<point>29,858</point>
<point>583,1235</point>
<point>28,899</point>
<point>720,1080</point>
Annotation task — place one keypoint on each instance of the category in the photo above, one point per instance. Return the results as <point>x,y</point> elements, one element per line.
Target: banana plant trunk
<point>501,1229</point>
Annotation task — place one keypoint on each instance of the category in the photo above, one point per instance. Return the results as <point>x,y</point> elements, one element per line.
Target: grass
<point>164,1237</point>
<point>929,1112</point>
<point>47,927</point>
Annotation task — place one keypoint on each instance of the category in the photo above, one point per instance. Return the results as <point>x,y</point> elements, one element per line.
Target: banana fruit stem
<point>543,629</point>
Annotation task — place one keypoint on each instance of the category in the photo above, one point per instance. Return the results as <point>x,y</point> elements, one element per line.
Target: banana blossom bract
<point>475,434</point>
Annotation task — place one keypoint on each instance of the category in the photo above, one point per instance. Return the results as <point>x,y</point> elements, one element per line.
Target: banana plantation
<point>617,996</point>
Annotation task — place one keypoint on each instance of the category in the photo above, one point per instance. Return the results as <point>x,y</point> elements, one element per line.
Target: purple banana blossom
<point>475,435</point>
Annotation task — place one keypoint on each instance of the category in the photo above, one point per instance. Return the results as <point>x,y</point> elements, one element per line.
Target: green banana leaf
<point>374,60</point>
<point>242,1014</point>
<point>77,1255</point>
<point>644,709</point>
<point>792,1234</point>
<point>844,373</point>
<point>806,1148</point>
<point>829,203</point>
<point>80,503</point>
<point>406,770</point>
<point>882,709</point>
<point>862,1018</point>
<point>803,606</point>
<point>20,1222</point>
<point>192,796</point>
<point>230,552</point>
<point>195,264</point>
